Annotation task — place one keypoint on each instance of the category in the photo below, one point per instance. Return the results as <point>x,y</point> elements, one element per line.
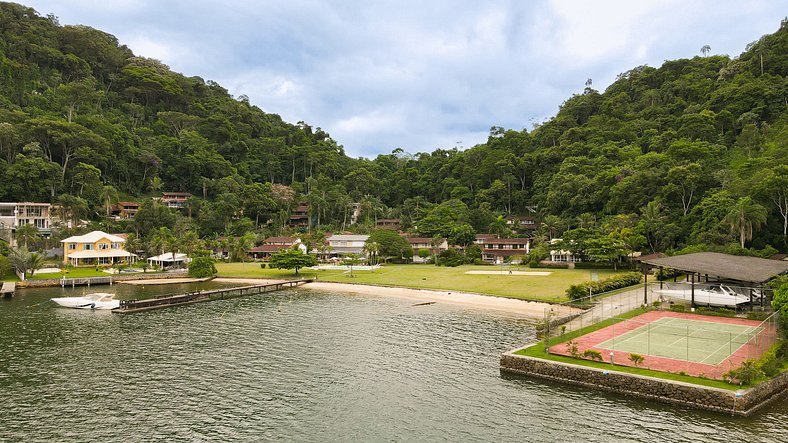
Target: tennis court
<point>683,339</point>
<point>669,341</point>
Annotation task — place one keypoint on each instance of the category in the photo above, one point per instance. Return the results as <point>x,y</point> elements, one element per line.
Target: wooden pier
<point>8,289</point>
<point>169,301</point>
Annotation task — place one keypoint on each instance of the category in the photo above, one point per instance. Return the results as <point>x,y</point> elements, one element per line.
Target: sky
<point>418,75</point>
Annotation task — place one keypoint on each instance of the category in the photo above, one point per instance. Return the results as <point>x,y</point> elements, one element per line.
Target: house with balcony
<point>426,243</point>
<point>175,200</point>
<point>126,210</point>
<point>14,215</point>
<point>561,255</point>
<point>389,223</point>
<point>522,223</point>
<point>95,248</point>
<point>499,250</point>
<point>341,245</point>
<point>299,217</point>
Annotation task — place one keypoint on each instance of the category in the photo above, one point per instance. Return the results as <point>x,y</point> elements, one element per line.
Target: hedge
<point>579,291</point>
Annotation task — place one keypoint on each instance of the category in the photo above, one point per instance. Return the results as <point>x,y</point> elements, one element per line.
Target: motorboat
<point>721,296</point>
<point>97,300</point>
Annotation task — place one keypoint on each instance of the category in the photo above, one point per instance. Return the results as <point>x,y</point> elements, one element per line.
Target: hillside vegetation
<point>662,159</point>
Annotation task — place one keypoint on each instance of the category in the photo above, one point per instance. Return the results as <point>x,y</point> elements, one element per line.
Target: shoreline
<point>520,308</point>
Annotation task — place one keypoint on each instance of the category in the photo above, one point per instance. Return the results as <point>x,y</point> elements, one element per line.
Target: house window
<point>116,246</point>
<point>72,246</point>
<point>88,247</point>
<point>103,246</point>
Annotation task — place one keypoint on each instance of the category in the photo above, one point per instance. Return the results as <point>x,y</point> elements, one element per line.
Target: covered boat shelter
<point>748,272</point>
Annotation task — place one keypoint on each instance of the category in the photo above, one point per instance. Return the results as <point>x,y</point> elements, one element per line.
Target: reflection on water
<point>306,366</point>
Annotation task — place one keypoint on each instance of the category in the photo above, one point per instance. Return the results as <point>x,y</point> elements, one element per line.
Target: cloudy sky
<point>417,75</point>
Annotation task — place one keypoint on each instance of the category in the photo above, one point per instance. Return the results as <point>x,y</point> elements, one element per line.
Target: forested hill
<point>665,151</point>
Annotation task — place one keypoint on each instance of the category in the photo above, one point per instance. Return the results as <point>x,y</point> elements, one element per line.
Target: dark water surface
<point>302,365</point>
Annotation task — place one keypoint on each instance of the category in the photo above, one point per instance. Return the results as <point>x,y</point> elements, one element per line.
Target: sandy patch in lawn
<point>534,273</point>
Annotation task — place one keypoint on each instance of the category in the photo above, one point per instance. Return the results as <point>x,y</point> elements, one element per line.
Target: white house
<point>560,255</point>
<point>170,259</point>
<point>341,245</point>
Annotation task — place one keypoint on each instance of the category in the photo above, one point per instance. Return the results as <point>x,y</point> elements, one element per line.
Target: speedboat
<point>721,296</point>
<point>97,300</point>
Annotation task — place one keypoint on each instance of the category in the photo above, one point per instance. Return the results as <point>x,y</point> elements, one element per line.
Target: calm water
<point>306,366</point>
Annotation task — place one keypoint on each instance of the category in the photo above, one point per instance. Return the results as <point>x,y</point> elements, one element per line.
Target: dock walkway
<point>8,289</point>
<point>169,301</point>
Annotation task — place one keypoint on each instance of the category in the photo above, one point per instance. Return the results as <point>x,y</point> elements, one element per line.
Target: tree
<point>371,249</point>
<point>462,235</point>
<point>202,267</point>
<point>24,262</point>
<point>499,227</point>
<point>109,197</point>
<point>239,247</point>
<point>745,217</point>
<point>25,234</point>
<point>351,260</point>
<point>774,188</point>
<point>163,240</point>
<point>705,50</point>
<point>389,244</point>
<point>292,259</point>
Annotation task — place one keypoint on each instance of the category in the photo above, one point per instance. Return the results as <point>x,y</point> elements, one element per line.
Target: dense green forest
<point>694,152</point>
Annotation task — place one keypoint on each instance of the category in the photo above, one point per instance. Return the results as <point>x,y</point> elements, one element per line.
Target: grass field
<point>550,287</point>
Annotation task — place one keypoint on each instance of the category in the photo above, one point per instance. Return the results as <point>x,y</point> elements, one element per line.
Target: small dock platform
<point>8,289</point>
<point>169,301</point>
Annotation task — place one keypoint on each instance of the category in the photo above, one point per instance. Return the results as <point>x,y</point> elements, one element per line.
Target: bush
<point>592,354</point>
<point>666,274</point>
<point>677,308</point>
<point>716,312</point>
<point>579,291</point>
<point>745,374</point>
<point>451,258</point>
<point>637,359</point>
<point>202,267</point>
<point>571,348</point>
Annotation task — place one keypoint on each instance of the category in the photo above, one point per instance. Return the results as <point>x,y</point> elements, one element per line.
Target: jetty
<point>8,289</point>
<point>169,301</point>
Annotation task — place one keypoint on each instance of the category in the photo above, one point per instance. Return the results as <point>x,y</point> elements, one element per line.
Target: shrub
<point>571,348</point>
<point>745,374</point>
<point>202,267</point>
<point>637,359</point>
<point>581,290</point>
<point>677,308</point>
<point>716,312</point>
<point>592,354</point>
<point>451,258</point>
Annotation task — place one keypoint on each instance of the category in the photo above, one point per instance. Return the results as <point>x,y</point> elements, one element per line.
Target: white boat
<point>722,296</point>
<point>98,300</point>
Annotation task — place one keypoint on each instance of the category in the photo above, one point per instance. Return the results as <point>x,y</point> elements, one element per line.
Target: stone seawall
<point>43,283</point>
<point>743,402</point>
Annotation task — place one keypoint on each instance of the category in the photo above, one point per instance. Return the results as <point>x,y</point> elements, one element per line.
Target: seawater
<point>303,365</point>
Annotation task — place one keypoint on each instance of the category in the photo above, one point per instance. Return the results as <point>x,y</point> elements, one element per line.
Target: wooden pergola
<point>750,272</point>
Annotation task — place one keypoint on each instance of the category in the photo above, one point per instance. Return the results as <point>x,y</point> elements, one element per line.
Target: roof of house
<point>268,248</point>
<point>506,241</point>
<point>485,236</point>
<point>428,240</point>
<point>93,253</point>
<point>724,266</point>
<point>92,237</point>
<point>389,220</point>
<point>168,257</point>
<point>129,203</point>
<point>348,237</point>
<point>289,240</point>
<point>176,194</point>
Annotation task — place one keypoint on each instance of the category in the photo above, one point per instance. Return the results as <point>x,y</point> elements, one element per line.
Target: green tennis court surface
<point>681,339</point>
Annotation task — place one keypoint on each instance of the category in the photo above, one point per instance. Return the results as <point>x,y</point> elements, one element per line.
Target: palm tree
<point>190,241</point>
<point>499,227</point>
<point>25,234</point>
<point>586,220</point>
<point>553,224</point>
<point>705,50</point>
<point>240,246</point>
<point>652,217</point>
<point>745,217</point>
<point>35,263</point>
<point>163,241</point>
<point>109,197</point>
<point>371,248</point>
<point>20,259</point>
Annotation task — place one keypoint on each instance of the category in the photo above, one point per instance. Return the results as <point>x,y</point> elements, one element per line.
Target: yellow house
<point>95,248</point>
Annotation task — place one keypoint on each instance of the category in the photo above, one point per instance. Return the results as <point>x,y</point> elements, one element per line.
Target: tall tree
<point>744,218</point>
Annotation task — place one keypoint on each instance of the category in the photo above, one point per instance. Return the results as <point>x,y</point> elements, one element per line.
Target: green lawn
<point>71,273</point>
<point>551,287</point>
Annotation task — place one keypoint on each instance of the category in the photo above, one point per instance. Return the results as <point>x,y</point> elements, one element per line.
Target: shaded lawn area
<point>539,352</point>
<point>549,288</point>
<point>76,273</point>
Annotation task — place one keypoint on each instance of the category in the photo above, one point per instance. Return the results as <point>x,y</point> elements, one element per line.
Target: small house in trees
<point>125,210</point>
<point>519,223</point>
<point>299,217</point>
<point>498,250</point>
<point>95,248</point>
<point>389,223</point>
<point>175,200</point>
<point>561,255</point>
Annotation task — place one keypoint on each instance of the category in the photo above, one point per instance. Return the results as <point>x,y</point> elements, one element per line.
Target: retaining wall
<point>743,402</point>
<point>99,280</point>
